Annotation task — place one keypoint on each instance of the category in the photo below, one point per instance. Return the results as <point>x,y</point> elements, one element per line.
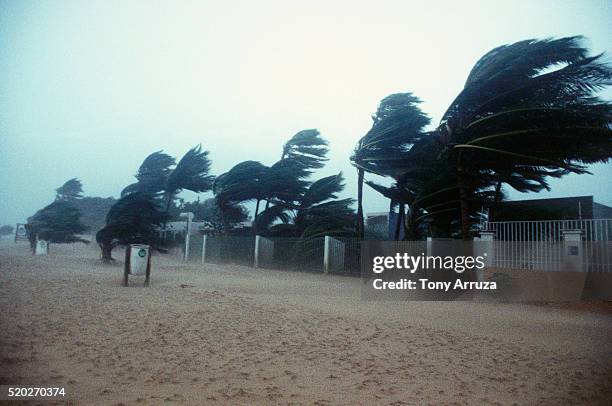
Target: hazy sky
<point>90,88</point>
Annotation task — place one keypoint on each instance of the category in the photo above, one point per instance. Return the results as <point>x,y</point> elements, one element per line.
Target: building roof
<point>544,209</point>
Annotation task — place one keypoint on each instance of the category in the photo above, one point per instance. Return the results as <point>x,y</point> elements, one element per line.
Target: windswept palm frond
<point>191,173</point>
<point>308,148</point>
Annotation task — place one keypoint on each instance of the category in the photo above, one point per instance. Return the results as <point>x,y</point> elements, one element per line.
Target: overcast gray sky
<point>90,88</point>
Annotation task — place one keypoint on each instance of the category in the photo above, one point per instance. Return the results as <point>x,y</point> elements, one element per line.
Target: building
<point>563,208</point>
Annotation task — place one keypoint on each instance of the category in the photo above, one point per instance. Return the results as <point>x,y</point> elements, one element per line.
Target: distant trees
<point>93,210</point>
<point>7,230</point>
<point>209,210</point>
<point>529,111</point>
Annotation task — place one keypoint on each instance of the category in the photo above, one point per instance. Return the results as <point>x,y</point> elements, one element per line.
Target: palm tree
<point>281,184</point>
<point>133,219</point>
<point>159,176</point>
<point>191,173</point>
<point>397,126</point>
<point>305,152</point>
<point>153,174</point>
<point>317,212</point>
<point>528,111</point>
<point>244,182</point>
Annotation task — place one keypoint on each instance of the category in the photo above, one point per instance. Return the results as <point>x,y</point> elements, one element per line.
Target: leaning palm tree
<point>528,111</point>
<point>191,173</point>
<point>134,219</point>
<point>280,184</point>
<point>308,148</point>
<point>244,182</point>
<point>305,152</point>
<point>153,174</point>
<point>397,126</point>
<point>159,176</point>
<point>317,212</point>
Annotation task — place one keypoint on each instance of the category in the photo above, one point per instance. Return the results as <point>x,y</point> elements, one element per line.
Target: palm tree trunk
<point>496,199</point>
<point>399,221</point>
<point>410,232</point>
<point>255,217</point>
<point>224,222</point>
<point>360,225</point>
<point>107,249</point>
<point>463,199</point>
<point>168,202</point>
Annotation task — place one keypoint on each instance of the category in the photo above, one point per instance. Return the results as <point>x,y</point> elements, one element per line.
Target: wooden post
<point>126,266</point>
<point>148,271</point>
<point>204,238</point>
<point>485,246</point>
<point>189,216</point>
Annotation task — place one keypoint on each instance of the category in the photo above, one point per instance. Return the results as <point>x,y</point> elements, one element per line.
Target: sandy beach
<point>237,335</point>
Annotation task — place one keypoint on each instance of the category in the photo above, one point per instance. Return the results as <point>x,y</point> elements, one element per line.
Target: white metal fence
<point>539,245</point>
<point>530,245</point>
<point>549,230</point>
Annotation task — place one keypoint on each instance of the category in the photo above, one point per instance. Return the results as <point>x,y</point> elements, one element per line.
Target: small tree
<point>59,222</point>
<point>134,219</point>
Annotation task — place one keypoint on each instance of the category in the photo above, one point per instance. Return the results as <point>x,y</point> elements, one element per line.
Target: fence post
<point>264,251</point>
<point>189,216</point>
<point>204,237</point>
<point>257,240</point>
<point>429,272</point>
<point>485,247</point>
<point>572,250</point>
<point>326,254</point>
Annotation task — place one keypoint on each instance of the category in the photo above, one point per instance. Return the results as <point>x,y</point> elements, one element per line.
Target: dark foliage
<point>133,219</point>
<point>58,222</point>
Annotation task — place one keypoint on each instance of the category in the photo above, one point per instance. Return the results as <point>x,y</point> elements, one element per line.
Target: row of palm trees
<point>295,205</point>
<point>528,112</point>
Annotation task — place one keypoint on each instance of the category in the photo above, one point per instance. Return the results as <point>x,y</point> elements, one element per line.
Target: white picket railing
<point>539,244</point>
<point>549,230</point>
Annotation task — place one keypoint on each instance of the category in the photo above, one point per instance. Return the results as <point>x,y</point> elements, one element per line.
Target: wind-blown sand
<point>236,335</point>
